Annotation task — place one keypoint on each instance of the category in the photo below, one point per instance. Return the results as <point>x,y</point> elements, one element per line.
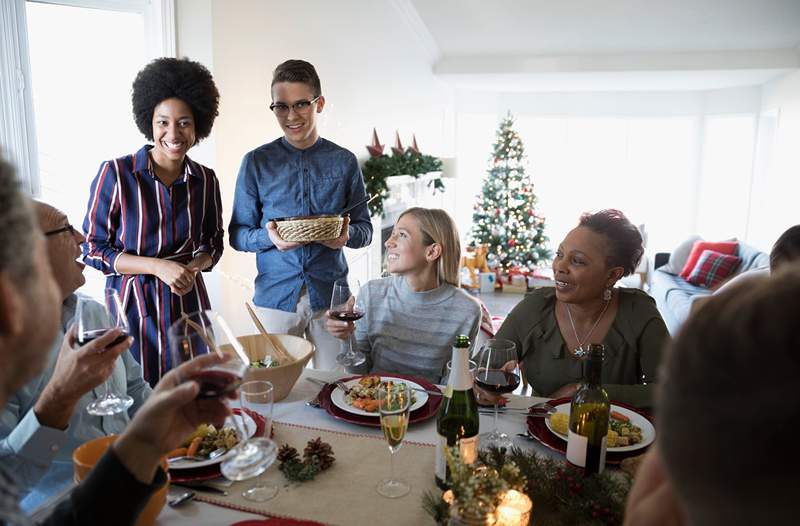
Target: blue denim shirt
<point>279,180</point>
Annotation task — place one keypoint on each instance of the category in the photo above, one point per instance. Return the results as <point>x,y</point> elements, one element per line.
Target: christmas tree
<point>505,216</point>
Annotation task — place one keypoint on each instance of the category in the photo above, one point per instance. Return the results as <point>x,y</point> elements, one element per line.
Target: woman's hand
<point>200,262</point>
<point>565,391</point>
<point>180,278</point>
<point>172,413</point>
<point>277,240</point>
<point>338,328</point>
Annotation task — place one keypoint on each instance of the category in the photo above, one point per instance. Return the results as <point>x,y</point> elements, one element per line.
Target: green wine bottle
<point>588,417</point>
<point>457,421</point>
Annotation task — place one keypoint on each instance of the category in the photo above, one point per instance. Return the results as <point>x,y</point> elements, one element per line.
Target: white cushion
<point>679,256</point>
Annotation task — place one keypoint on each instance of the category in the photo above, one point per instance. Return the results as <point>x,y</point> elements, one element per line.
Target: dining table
<point>344,494</point>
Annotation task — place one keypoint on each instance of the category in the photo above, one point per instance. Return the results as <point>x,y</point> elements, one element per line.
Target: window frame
<point>18,138</point>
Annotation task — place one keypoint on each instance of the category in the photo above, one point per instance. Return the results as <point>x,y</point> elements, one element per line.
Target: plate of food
<point>362,392</point>
<point>207,439</point>
<point>628,429</point>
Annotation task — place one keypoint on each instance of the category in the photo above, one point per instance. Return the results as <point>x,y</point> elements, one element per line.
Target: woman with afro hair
<point>154,218</point>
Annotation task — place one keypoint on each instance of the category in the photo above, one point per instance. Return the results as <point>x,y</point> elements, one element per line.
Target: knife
<point>201,487</point>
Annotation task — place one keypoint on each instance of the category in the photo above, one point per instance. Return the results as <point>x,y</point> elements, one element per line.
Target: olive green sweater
<point>634,345</point>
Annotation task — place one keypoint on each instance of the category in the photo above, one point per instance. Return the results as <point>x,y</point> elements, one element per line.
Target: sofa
<point>674,295</point>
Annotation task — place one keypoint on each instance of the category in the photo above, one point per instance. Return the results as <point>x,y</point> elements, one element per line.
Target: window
<point>83,59</point>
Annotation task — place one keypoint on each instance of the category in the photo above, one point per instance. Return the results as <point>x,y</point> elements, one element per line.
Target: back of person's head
<point>17,223</point>
<point>298,71</point>
<point>728,405</point>
<point>786,249</point>
<point>437,226</point>
<point>624,245</point>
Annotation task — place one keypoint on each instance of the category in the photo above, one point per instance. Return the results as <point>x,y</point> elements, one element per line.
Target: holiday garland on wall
<point>505,216</point>
<point>408,161</point>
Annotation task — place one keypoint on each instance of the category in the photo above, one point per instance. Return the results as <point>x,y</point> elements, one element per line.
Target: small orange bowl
<point>89,453</point>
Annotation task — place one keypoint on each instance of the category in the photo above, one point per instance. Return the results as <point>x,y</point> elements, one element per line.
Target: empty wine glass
<point>394,401</point>
<point>257,397</point>
<point>345,307</point>
<point>497,373</point>
<point>94,322</point>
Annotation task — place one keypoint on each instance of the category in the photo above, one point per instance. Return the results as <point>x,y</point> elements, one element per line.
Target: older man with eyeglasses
<point>124,479</point>
<point>300,174</point>
<point>46,420</point>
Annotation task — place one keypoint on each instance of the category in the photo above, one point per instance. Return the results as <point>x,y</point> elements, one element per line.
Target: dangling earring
<point>607,294</point>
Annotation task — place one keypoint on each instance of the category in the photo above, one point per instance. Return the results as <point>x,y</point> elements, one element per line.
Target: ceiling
<point>578,45</point>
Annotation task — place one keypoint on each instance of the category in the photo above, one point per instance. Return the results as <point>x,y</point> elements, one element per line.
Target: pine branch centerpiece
<point>559,492</point>
<point>505,217</point>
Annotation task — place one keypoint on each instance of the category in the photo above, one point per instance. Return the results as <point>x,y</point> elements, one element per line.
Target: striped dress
<point>130,211</point>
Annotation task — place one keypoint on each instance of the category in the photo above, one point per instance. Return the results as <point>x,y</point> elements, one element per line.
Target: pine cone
<point>318,453</point>
<point>287,453</point>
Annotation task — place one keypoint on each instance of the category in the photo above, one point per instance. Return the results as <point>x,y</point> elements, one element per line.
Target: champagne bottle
<point>457,421</point>
<point>588,418</point>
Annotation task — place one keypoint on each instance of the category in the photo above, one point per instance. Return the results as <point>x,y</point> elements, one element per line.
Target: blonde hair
<point>437,226</point>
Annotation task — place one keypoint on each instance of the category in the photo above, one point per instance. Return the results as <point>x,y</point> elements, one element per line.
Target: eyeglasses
<point>68,228</point>
<point>301,106</point>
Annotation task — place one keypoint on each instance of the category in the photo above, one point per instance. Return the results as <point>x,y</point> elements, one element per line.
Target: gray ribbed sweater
<point>409,332</point>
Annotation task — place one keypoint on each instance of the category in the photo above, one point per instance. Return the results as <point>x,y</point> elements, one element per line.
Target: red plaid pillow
<point>712,268</point>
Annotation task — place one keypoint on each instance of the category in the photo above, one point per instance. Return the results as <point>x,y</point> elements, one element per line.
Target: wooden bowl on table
<point>283,377</point>
<point>89,453</point>
<point>304,229</point>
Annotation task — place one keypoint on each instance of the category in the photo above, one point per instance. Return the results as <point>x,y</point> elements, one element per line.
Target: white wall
<point>775,204</point>
<point>375,72</point>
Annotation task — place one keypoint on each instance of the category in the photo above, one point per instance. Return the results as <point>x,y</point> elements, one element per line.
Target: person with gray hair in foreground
<point>121,483</point>
<point>727,411</point>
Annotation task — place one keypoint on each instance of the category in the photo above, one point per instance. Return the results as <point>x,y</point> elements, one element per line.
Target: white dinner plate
<point>648,431</point>
<point>190,464</point>
<point>337,396</point>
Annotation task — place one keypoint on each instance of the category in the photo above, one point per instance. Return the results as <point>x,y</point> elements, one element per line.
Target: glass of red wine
<point>200,333</point>
<point>345,307</point>
<point>94,320</point>
<point>497,372</point>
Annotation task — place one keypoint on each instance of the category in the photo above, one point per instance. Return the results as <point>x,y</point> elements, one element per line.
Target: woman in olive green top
<point>551,325</point>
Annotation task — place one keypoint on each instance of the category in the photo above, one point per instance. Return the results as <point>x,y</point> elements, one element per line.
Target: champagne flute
<point>394,402</point>
<point>498,373</point>
<point>345,307</point>
<point>257,397</point>
<point>94,322</point>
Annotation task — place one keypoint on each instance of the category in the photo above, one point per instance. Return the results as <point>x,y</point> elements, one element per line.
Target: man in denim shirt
<point>299,174</point>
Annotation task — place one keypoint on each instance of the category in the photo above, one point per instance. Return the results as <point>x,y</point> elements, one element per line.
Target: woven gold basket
<point>305,229</point>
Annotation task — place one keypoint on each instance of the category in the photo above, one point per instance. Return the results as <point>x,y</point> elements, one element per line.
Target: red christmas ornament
<point>376,148</point>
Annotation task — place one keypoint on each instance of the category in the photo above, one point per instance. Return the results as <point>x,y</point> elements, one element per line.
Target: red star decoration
<point>414,148</point>
<point>376,148</point>
<point>397,149</point>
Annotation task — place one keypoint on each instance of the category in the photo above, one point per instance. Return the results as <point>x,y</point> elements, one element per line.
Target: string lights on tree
<point>505,216</point>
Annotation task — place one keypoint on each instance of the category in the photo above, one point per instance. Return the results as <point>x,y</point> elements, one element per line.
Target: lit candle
<point>514,509</point>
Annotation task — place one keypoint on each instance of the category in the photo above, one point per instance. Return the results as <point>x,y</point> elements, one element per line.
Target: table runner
<point>345,493</point>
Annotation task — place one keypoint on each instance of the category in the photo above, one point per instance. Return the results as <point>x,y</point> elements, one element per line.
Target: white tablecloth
<point>293,409</point>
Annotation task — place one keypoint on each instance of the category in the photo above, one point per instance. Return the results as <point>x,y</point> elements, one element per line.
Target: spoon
<point>211,456</point>
<point>180,499</point>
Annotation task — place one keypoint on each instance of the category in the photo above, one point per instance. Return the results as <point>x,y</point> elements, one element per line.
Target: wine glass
<point>497,373</point>
<point>93,323</point>
<point>202,332</point>
<point>394,401</point>
<point>257,397</point>
<point>344,307</point>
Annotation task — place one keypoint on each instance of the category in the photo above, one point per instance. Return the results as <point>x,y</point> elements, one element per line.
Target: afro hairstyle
<point>180,78</point>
